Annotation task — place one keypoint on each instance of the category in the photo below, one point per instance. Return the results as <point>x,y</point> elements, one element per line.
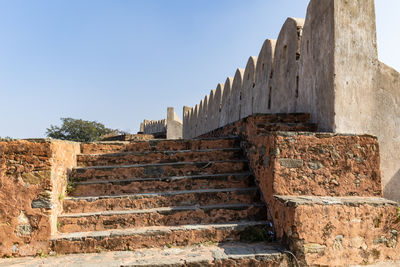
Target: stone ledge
<point>295,201</point>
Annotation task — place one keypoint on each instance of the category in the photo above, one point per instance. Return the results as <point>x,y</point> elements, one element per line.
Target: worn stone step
<point>152,236</point>
<point>168,216</point>
<point>161,199</point>
<point>159,145</point>
<point>289,118</point>
<point>161,184</point>
<point>207,254</point>
<point>125,158</point>
<point>263,128</point>
<point>158,170</point>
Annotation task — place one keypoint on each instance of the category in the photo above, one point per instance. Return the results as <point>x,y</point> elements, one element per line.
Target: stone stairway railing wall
<point>323,190</point>
<point>326,65</point>
<point>33,182</point>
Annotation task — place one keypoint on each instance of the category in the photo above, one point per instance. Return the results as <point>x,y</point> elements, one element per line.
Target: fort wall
<point>327,65</point>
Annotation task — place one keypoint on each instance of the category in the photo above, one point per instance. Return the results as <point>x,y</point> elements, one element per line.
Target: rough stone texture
<point>266,123</point>
<point>143,185</point>
<point>293,169</point>
<point>157,170</point>
<point>167,216</point>
<point>324,165</point>
<point>246,100</point>
<point>125,158</point>
<point>224,254</point>
<point>33,177</point>
<point>157,145</point>
<point>285,78</point>
<point>331,231</point>
<point>264,71</point>
<point>295,163</point>
<point>154,236</point>
<point>161,199</point>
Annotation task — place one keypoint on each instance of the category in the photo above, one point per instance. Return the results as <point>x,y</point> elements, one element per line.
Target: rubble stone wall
<point>33,180</point>
<point>323,190</point>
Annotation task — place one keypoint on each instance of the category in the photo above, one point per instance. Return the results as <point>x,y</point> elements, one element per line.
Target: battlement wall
<point>326,65</point>
<point>170,128</point>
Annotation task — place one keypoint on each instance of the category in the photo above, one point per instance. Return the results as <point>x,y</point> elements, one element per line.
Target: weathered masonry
<point>326,65</point>
<point>253,182</point>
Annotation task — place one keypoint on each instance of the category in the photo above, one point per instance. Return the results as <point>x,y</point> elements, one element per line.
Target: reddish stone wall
<point>289,162</point>
<point>351,230</point>
<point>323,191</point>
<point>316,164</point>
<point>32,179</point>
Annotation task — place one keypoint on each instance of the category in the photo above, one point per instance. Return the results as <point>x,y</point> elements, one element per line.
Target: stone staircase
<point>162,193</point>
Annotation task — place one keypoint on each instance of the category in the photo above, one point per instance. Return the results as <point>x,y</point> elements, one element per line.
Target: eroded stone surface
<point>226,254</point>
<point>158,170</point>
<point>142,185</point>
<point>169,216</point>
<point>32,176</point>
<point>162,199</point>
<point>158,157</point>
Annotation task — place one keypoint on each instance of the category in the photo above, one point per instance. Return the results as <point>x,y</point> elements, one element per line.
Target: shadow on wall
<point>392,187</point>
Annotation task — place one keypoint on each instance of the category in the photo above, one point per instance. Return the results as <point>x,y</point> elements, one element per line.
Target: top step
<point>159,145</point>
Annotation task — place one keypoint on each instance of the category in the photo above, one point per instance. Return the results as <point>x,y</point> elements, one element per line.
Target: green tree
<point>79,130</point>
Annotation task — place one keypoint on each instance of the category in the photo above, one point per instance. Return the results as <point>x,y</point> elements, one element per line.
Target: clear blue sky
<point>121,61</point>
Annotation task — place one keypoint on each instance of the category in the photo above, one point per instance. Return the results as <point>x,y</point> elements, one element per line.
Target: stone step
<point>161,184</point>
<point>288,118</point>
<point>165,216</point>
<point>263,128</point>
<point>163,199</point>
<point>157,170</point>
<point>159,145</point>
<point>153,236</point>
<point>126,158</point>
<point>223,254</point>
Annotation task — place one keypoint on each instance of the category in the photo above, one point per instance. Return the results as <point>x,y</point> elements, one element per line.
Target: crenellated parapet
<point>326,65</point>
<point>170,128</point>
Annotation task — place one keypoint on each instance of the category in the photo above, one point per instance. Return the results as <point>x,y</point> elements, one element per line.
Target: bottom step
<point>158,236</point>
<point>226,254</point>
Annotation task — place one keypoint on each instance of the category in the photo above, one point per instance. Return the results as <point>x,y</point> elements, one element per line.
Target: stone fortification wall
<point>33,181</point>
<point>170,128</point>
<point>326,65</point>
<point>154,127</point>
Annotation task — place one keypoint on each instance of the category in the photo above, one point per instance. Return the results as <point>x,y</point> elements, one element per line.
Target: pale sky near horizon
<point>119,62</point>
